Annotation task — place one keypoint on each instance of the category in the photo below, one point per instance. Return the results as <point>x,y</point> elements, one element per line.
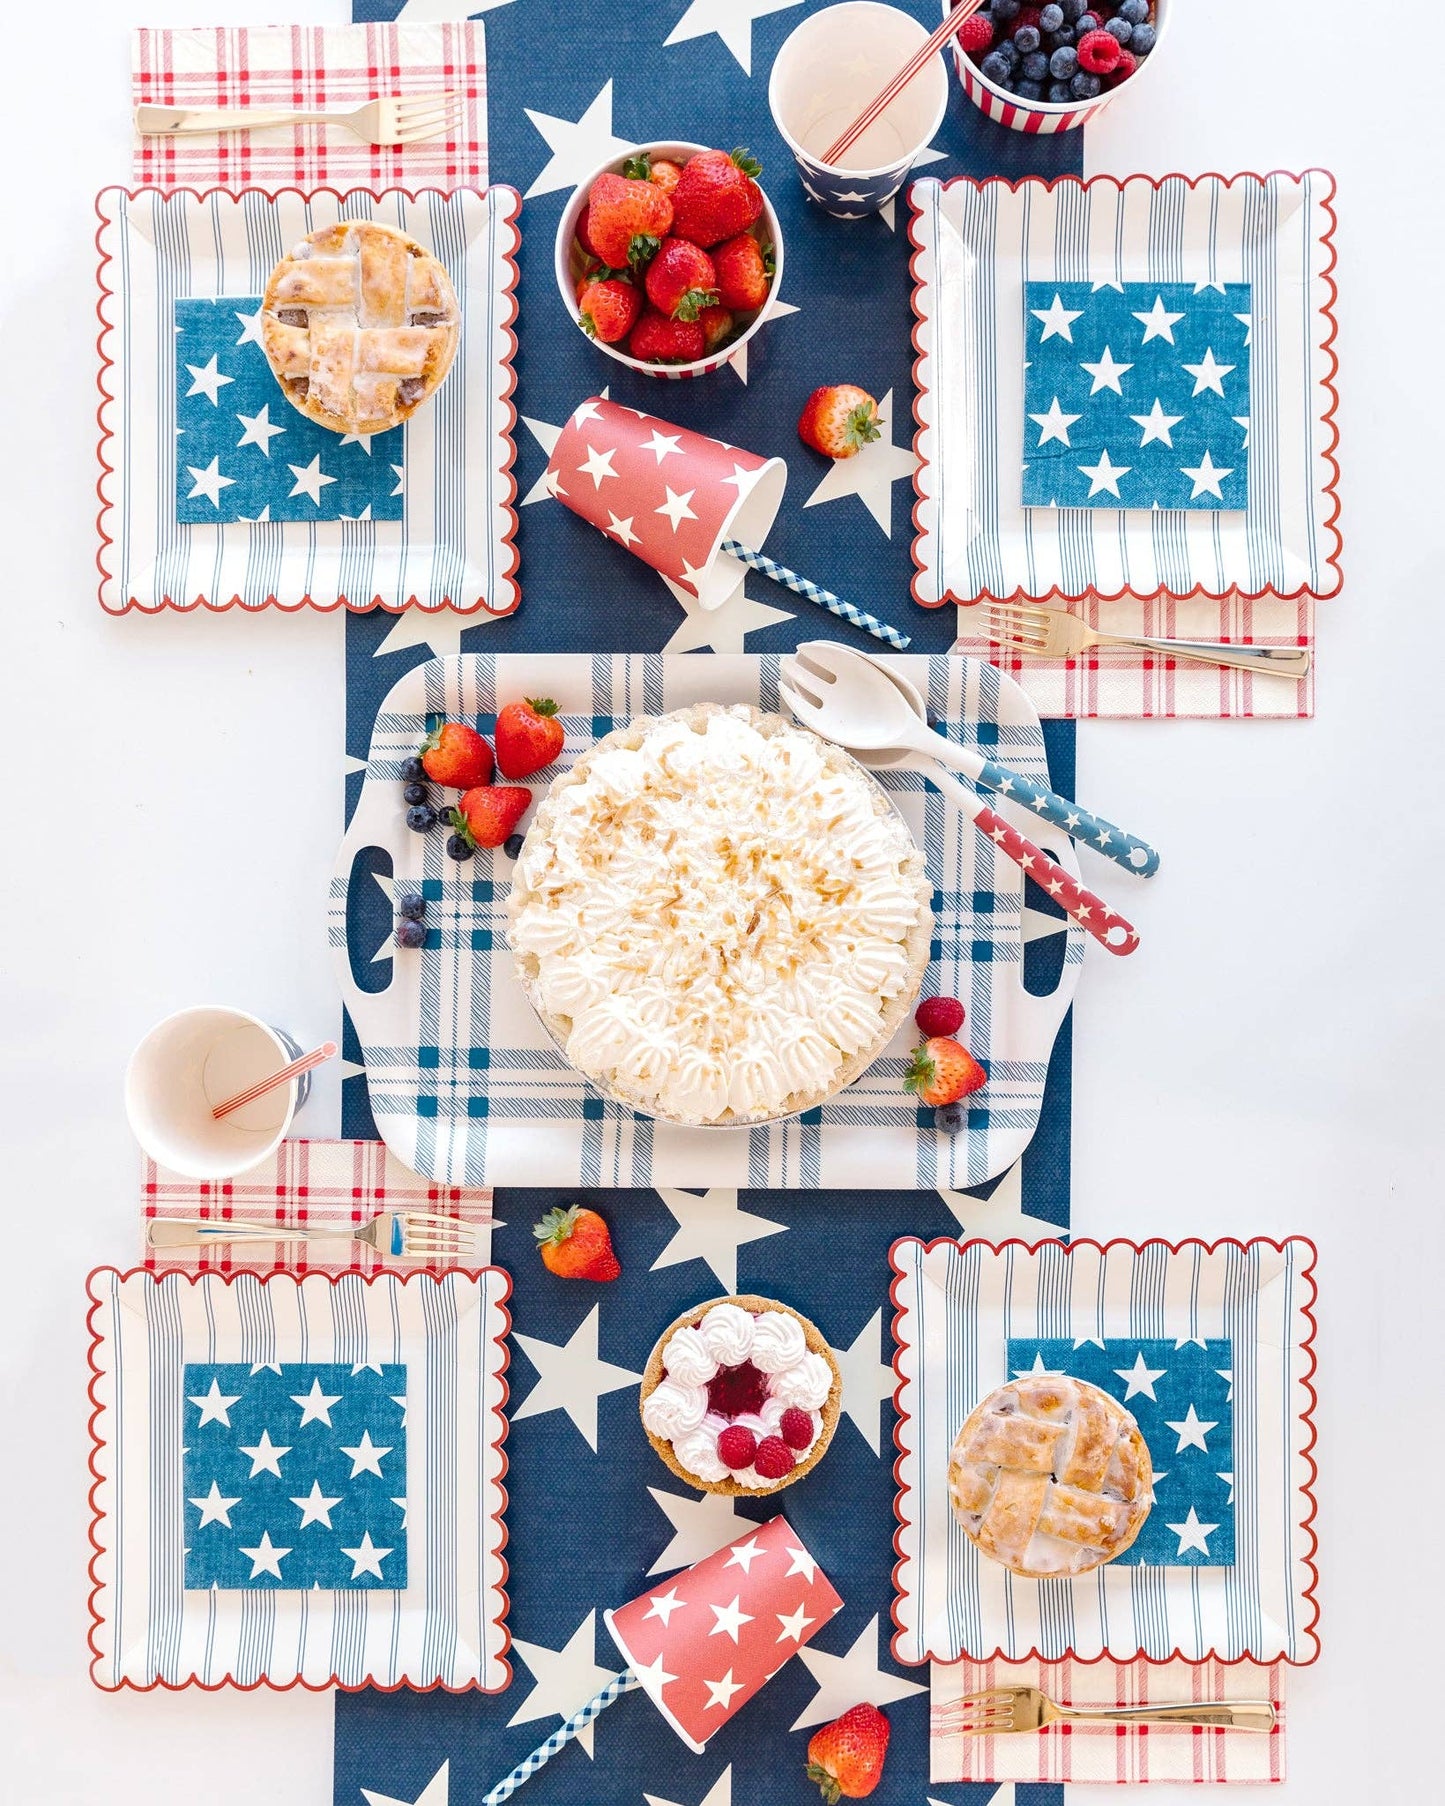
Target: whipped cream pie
<point>719,916</point>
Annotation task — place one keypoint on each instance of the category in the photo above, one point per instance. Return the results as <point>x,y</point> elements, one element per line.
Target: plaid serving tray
<point>465,1084</point>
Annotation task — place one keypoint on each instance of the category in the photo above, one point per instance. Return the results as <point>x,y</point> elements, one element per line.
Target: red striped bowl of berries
<point>669,258</point>
<point>1050,68</point>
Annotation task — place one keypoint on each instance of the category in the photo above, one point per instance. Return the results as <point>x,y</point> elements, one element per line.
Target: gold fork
<point>397,119</point>
<point>404,1234</point>
<point>1008,1709</point>
<point>1054,633</point>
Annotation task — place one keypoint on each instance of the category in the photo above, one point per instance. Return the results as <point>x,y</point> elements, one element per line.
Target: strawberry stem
<point>826,1783</point>
<point>556,1226</point>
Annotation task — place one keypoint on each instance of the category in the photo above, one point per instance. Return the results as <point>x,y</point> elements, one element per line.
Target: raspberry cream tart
<point>719,917</point>
<point>741,1396</point>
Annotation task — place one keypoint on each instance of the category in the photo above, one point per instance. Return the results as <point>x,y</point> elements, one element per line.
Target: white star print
<point>1227,1375</point>
<point>1157,1478</point>
<point>315,1405</point>
<point>1022,1373</point>
<point>1209,374</point>
<point>259,430</point>
<point>400,1504</point>
<point>663,1605</point>
<point>867,1379</point>
<point>366,1558</point>
<point>571,1378</point>
<point>562,1678</point>
<point>1247,323</point>
<point>744,1556</point>
<point>653,1675</point>
<point>794,1624</point>
<point>1190,1342</point>
<point>870,473</point>
<point>1055,424</point>
<point>1206,475</point>
<point>676,506</point>
<point>1106,373</point>
<point>774,310</point>
<point>719,1794</point>
<point>1201,288</point>
<point>310,480</point>
<point>215,1405</point>
<point>433,1794</point>
<point>851,195</point>
<point>597,465</point>
<point>206,379</point>
<point>265,1456</point>
<point>800,1562</point>
<point>711,1228</point>
<point>1139,1378</point>
<point>316,1508</point>
<point>1192,1534</point>
<point>366,1457</point>
<point>621,530</point>
<point>209,482</point>
<point>1158,323</point>
<point>700,1525</point>
<point>845,1680</point>
<point>265,1558</point>
<point>732,20</point>
<point>730,1619</point>
<point>720,1693</point>
<point>1242,420</point>
<point>577,146</point>
<point>725,628</point>
<point>399,472</point>
<point>214,1508</point>
<point>362,439</point>
<point>1191,1431</point>
<point>1156,424</point>
<point>663,445</point>
<point>1000,1214</point>
<point>1228,1480</point>
<point>1104,475</point>
<point>250,327</point>
<point>1056,320</point>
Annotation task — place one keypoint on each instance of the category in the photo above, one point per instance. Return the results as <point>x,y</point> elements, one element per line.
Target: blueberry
<point>1036,70</point>
<point>1136,12</point>
<point>1074,10</point>
<point>951,1118</point>
<point>1027,39</point>
<point>1056,40</point>
<point>1051,18</point>
<point>457,848</point>
<point>421,819</point>
<point>412,771</point>
<point>1120,29</point>
<point>411,905</point>
<point>1085,86</point>
<point>513,844</point>
<point>1143,40</point>
<point>997,68</point>
<point>1063,64</point>
<point>1086,22</point>
<point>1027,90</point>
<point>1057,91</point>
<point>410,934</point>
<point>417,793</point>
<point>1006,10</point>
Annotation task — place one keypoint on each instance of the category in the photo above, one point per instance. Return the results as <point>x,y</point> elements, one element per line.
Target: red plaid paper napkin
<point>331,66</point>
<point>1110,1752</point>
<point>307,1184</point>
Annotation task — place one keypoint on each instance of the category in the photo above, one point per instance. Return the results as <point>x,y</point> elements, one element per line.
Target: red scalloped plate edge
<point>1332,488</point>
<point>1084,1241</point>
<point>498,1517</point>
<point>105,362</point>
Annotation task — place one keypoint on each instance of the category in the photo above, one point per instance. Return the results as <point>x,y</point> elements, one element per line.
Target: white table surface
<point>1270,1062</point>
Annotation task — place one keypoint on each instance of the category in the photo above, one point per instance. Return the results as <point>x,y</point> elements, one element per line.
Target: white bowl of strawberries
<point>668,259</point>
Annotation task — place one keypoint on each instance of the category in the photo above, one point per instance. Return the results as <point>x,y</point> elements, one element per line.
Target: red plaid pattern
<point>330,66</point>
<point>306,1185</point>
<point>1110,1752</point>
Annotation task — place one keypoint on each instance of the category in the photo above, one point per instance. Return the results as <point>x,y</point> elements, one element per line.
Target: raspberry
<point>938,1016</point>
<point>975,35</point>
<point>736,1447</point>
<point>774,1459</point>
<point>1028,15</point>
<point>1099,53</point>
<point>1128,63</point>
<point>735,1391</point>
<point>796,1428</point>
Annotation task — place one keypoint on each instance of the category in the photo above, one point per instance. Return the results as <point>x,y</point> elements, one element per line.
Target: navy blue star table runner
<point>592,1512</point>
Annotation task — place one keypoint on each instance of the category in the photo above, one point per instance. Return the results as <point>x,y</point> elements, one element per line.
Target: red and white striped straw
<point>317,1057</point>
<point>885,97</point>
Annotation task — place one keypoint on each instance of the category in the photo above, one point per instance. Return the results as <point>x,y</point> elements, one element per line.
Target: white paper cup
<point>193,1061</point>
<point>826,73</point>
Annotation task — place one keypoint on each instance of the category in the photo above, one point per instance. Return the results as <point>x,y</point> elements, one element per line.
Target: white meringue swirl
<point>778,1342</point>
<point>727,1332</point>
<point>687,1358</point>
<point>671,1410</point>
<point>806,1385</point>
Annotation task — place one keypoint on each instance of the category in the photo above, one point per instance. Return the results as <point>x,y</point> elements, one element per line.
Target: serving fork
<point>403,1234</point>
<point>1054,633</point>
<point>395,119</point>
<point>1009,1709</point>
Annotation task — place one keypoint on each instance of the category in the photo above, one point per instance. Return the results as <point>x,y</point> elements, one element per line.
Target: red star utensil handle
<point>1091,912</point>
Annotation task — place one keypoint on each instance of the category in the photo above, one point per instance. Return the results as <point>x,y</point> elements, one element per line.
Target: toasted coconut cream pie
<point>719,916</point>
<point>1050,1476</point>
<point>360,324</point>
<point>741,1396</point>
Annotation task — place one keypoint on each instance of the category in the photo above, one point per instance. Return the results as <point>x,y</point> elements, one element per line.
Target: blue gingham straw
<point>563,1735</point>
<point>815,593</point>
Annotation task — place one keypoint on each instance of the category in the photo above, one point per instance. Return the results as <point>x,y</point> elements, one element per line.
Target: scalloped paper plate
<point>453,549</point>
<point>956,1306</point>
<point>447,1627</point>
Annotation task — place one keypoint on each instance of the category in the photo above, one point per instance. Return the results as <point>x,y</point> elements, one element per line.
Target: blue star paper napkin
<point>1136,395</point>
<point>1182,1395</point>
<point>295,1476</point>
<point>244,453</point>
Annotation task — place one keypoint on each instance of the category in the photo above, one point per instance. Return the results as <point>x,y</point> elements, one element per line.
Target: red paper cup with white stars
<point>704,1642</point>
<point>670,496</point>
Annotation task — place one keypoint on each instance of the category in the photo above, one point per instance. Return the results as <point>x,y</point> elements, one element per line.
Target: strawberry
<point>660,171</point>
<point>934,1016</point>
<point>838,420</point>
<point>456,755</point>
<point>583,238</point>
<point>681,281</point>
<point>845,1758</point>
<point>716,197</point>
<point>658,340</point>
<point>626,221</point>
<point>528,736</point>
<point>607,306</point>
<point>943,1070</point>
<point>486,816</point>
<point>717,324</point>
<point>743,273</point>
<point>576,1244</point>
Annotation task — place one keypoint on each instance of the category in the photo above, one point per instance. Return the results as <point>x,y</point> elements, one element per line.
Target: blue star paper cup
<point>825,74</point>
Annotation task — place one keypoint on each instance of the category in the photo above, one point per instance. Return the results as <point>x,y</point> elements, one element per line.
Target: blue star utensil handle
<point>562,1736</point>
<point>1135,855</point>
